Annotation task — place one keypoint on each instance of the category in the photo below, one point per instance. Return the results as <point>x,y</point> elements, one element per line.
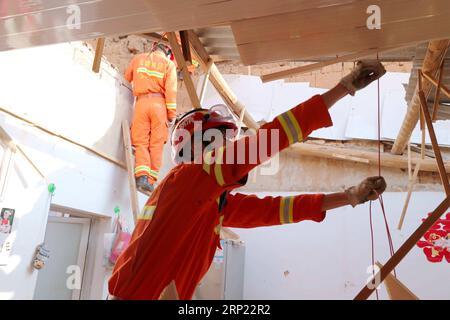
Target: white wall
<point>83,180</point>
<point>329,260</point>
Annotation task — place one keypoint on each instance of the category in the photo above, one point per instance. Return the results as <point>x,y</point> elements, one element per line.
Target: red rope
<point>373,244</point>
<point>380,198</point>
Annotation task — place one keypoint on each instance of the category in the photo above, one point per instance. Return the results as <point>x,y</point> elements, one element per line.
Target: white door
<point>61,278</point>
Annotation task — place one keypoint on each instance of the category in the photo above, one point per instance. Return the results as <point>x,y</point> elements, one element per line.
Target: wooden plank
<point>206,80</point>
<point>98,153</point>
<point>411,184</point>
<point>98,55</point>
<point>437,95</point>
<point>437,151</point>
<point>130,169</point>
<point>332,30</point>
<point>31,162</point>
<point>412,180</point>
<point>395,289</point>
<point>153,36</point>
<point>315,66</point>
<point>7,160</point>
<point>170,292</point>
<point>6,139</point>
<point>184,37</point>
<point>217,80</point>
<point>409,161</point>
<point>405,248</point>
<point>226,233</point>
<point>176,49</point>
<point>13,146</point>
<point>114,17</point>
<point>369,157</point>
<point>435,54</point>
<point>443,88</point>
<point>420,86</point>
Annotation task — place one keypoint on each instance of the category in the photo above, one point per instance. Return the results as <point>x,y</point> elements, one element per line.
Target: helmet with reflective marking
<point>217,117</point>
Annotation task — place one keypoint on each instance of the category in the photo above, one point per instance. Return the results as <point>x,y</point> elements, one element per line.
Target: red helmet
<point>216,117</point>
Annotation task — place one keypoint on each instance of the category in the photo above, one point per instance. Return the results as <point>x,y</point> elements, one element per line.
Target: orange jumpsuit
<point>178,230</point>
<point>154,80</point>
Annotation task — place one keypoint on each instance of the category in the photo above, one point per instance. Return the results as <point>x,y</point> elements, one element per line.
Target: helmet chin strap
<point>155,45</point>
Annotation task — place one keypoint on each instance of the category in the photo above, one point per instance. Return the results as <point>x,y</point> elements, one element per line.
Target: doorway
<point>67,238</point>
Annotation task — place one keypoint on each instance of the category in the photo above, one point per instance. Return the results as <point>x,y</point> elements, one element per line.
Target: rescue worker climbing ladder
<point>177,233</point>
<point>154,81</point>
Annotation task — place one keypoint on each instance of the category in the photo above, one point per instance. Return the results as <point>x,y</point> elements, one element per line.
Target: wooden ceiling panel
<point>340,30</point>
<point>37,22</point>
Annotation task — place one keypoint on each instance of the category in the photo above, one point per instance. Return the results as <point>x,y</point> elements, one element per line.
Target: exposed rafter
<point>218,81</point>
<point>432,61</point>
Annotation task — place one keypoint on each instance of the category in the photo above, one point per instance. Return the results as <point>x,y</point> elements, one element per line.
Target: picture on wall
<point>6,223</point>
<point>6,220</point>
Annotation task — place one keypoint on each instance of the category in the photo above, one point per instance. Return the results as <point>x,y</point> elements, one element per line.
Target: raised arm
<point>231,163</point>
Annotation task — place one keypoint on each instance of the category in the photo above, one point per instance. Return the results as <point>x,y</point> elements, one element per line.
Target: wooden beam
<point>6,139</point>
<point>98,55</point>
<point>184,37</point>
<point>226,233</point>
<point>395,289</point>
<point>437,95</point>
<point>7,161</point>
<point>411,184</point>
<point>206,80</point>
<point>31,162</point>
<point>130,169</point>
<point>412,180</point>
<point>319,65</point>
<point>176,49</point>
<point>437,151</point>
<point>443,88</point>
<point>332,30</point>
<point>435,54</point>
<point>405,248</point>
<point>217,80</point>
<point>153,36</point>
<point>368,157</point>
<point>170,292</point>
<point>98,153</point>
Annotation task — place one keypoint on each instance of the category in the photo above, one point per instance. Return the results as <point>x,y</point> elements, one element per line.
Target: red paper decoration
<point>436,243</point>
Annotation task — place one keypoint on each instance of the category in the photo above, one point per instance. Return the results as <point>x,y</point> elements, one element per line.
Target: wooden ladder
<point>129,158</point>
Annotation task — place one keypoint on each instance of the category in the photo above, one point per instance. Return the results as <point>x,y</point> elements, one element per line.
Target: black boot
<point>143,185</point>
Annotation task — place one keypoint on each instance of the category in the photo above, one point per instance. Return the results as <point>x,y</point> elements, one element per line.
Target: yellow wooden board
<point>130,168</point>
<point>339,30</point>
<point>397,290</point>
<point>44,23</point>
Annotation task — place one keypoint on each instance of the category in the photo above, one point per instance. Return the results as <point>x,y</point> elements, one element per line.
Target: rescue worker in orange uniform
<point>154,79</point>
<point>177,233</point>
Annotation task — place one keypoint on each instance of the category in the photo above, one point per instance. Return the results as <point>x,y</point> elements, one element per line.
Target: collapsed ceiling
<point>263,30</point>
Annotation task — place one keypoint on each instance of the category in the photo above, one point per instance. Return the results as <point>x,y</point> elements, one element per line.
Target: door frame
<point>83,248</point>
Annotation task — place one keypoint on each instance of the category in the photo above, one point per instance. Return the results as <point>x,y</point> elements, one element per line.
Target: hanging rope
<point>372,243</point>
<point>380,197</point>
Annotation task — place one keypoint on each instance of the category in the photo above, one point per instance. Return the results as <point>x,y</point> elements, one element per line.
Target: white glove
<point>365,72</point>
